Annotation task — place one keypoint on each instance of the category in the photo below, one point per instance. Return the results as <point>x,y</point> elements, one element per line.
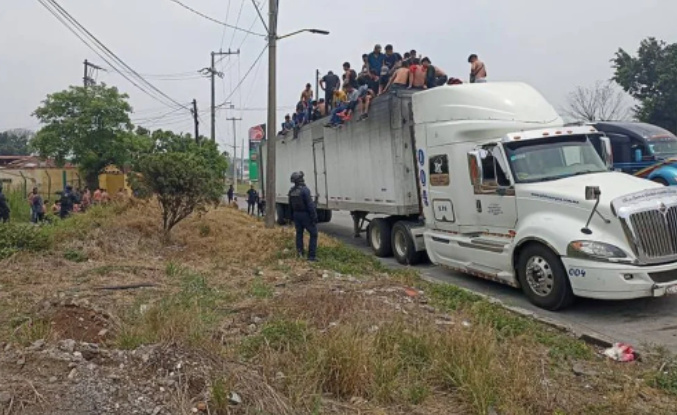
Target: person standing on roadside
<point>230,193</point>
<point>252,197</point>
<point>304,214</point>
<point>36,206</point>
<point>4,207</point>
<point>478,72</point>
<point>329,83</point>
<point>68,201</point>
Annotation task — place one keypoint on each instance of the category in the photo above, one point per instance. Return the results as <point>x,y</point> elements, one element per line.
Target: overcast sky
<point>554,45</point>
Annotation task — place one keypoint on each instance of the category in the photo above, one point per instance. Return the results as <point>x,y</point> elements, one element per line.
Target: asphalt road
<point>638,322</point>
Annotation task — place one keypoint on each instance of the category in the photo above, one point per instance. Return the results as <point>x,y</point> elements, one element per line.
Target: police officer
<point>304,214</point>
<point>68,201</point>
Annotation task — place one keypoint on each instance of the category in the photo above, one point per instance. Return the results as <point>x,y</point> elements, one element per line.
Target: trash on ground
<point>621,352</point>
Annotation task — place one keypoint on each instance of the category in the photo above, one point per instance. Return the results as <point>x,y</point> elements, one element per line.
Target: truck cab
<point>513,196</point>
<point>643,150</point>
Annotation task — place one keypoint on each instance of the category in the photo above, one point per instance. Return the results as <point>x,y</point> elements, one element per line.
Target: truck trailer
<point>485,179</point>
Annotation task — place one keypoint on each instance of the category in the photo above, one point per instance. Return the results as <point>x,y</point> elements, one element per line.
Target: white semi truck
<point>486,180</point>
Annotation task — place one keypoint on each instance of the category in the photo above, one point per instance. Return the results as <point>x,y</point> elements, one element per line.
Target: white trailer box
<point>366,166</point>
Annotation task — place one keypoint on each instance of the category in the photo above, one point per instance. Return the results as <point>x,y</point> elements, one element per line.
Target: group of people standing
<point>382,71</point>
<point>69,201</point>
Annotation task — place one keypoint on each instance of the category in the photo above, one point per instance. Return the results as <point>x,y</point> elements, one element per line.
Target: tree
<point>183,175</point>
<point>15,142</point>
<point>89,127</point>
<point>601,102</point>
<point>650,78</point>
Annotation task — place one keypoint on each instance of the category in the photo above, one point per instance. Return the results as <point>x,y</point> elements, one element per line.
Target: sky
<point>553,45</point>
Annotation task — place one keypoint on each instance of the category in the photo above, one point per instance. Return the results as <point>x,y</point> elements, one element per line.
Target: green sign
<point>256,136</point>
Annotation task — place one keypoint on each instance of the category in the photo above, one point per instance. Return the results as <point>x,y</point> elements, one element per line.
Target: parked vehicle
<point>643,150</point>
<point>486,180</point>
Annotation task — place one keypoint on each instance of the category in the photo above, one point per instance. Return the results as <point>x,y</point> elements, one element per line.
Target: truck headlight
<point>595,251</point>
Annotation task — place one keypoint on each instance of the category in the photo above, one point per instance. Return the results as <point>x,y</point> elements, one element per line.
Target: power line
<point>223,36</point>
<point>251,26</point>
<point>216,21</point>
<point>105,50</point>
<point>65,23</point>
<point>239,14</point>
<point>245,76</point>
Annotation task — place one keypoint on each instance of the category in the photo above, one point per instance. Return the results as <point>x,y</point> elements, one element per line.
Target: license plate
<point>671,289</point>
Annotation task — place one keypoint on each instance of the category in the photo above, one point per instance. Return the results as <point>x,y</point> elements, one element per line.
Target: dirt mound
<point>77,323</point>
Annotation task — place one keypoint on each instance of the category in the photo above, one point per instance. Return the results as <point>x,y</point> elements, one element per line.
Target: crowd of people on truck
<point>68,202</point>
<point>380,73</point>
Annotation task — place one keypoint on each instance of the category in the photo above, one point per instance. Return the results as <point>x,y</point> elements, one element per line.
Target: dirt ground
<point>222,319</point>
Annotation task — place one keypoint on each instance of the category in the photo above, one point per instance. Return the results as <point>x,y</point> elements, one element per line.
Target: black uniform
<point>305,218</point>
<point>252,197</point>
<point>4,208</point>
<point>68,200</point>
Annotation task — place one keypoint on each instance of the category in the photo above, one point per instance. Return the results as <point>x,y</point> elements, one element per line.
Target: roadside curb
<point>590,337</point>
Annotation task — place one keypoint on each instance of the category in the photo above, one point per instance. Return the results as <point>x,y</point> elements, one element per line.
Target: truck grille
<point>655,233</point>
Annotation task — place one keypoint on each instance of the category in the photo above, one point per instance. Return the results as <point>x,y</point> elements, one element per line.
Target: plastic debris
<point>621,352</point>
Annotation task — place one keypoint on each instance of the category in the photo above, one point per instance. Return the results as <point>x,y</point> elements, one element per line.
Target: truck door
<point>494,194</point>
<point>320,173</point>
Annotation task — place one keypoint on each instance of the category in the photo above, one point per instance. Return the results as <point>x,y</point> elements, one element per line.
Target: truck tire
<point>543,278</point>
<point>378,236</point>
<point>403,245</point>
<point>281,214</point>
<point>661,181</point>
<point>324,215</point>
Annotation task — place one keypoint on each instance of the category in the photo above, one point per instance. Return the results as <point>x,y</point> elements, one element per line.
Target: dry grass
<point>292,342</point>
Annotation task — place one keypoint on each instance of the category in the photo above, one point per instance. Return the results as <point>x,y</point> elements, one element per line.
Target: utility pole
<point>272,123</point>
<point>197,122</point>
<point>234,120</point>
<point>242,158</point>
<point>213,72</point>
<point>88,79</point>
<point>317,84</point>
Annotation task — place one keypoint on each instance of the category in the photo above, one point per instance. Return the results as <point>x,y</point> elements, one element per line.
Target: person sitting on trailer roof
<point>416,75</point>
<point>434,76</point>
<point>399,80</point>
<point>321,108</point>
<point>287,125</point>
<point>342,105</point>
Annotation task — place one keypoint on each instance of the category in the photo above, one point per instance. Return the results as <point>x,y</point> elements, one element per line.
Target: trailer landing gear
<point>359,220</point>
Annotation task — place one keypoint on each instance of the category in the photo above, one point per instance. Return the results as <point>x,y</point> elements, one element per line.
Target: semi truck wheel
<point>379,237</point>
<point>403,245</point>
<point>661,181</point>
<point>543,279</point>
<point>281,214</point>
<point>324,215</point>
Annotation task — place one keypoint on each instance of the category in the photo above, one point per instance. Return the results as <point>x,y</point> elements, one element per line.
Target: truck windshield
<point>664,146</point>
<point>553,158</point>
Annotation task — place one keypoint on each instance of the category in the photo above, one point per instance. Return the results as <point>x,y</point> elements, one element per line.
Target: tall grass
<point>18,204</point>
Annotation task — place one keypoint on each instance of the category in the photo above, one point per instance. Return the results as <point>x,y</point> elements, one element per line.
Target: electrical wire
<point>232,92</point>
<point>69,21</point>
<point>223,36</point>
<point>62,20</point>
<point>239,14</point>
<point>256,19</point>
<point>211,19</point>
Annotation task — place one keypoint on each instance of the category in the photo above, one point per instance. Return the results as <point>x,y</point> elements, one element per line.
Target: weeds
<point>260,289</point>
<point>75,255</point>
<point>347,260</point>
<point>31,330</point>
<point>188,316</point>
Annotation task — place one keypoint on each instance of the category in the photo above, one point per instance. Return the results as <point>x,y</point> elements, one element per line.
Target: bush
<point>16,237</point>
<point>18,204</point>
<point>185,177</point>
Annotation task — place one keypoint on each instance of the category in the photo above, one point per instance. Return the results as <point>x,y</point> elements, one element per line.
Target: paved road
<point>646,321</point>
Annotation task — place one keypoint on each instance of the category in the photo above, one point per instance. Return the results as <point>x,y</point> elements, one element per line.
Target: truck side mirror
<point>607,153</point>
<point>475,167</point>
<point>592,192</point>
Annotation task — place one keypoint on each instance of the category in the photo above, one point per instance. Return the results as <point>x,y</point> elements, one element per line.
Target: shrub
<point>16,237</point>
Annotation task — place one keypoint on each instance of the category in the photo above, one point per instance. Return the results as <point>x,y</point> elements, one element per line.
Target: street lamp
<point>271,28</point>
